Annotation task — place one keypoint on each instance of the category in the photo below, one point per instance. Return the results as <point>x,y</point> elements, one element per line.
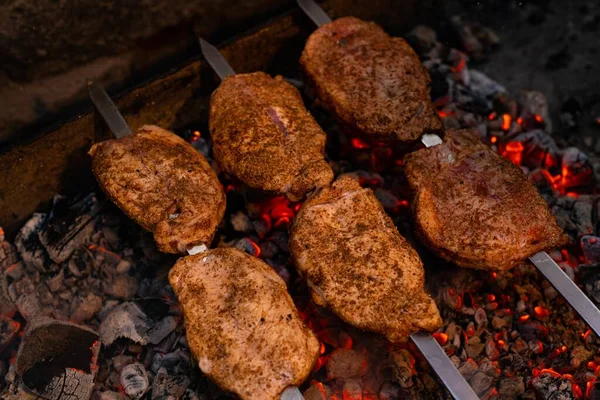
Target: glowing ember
<point>359,144</point>
<point>506,121</point>
<point>541,312</point>
<point>524,318</point>
<point>514,152</point>
<point>442,338</point>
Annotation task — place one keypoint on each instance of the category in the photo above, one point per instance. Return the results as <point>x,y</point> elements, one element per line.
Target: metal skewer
<point>543,262</point>
<point>221,67</point>
<point>118,126</point>
<point>430,348</point>
<point>426,343</point>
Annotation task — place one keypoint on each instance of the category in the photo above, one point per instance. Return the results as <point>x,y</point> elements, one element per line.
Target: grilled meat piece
<point>475,208</point>
<point>373,83</point>
<point>241,323</point>
<point>164,184</point>
<point>264,136</point>
<point>357,264</point>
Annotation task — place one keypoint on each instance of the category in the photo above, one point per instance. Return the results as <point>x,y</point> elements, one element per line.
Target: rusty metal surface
<point>57,161</point>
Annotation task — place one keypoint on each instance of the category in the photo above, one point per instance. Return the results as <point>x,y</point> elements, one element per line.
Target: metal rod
<point>291,393</point>
<point>314,12</point>
<point>568,289</point>
<point>109,111</point>
<point>216,60</point>
<point>222,68</point>
<point>443,367</point>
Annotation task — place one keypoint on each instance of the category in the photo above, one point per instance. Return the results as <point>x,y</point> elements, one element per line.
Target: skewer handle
<point>314,12</point>
<point>443,367</point>
<point>109,111</point>
<point>568,289</point>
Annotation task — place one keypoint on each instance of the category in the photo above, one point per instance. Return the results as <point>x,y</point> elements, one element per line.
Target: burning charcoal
<point>500,323</point>
<point>574,215</point>
<point>84,308</point>
<point>389,391</point>
<point>22,291</point>
<point>539,148</point>
<point>475,347</point>
<point>166,386</point>
<point>423,39</point>
<point>8,330</point>
<point>468,40</point>
<point>468,369</point>
<point>109,396</point>
<point>386,198</point>
<point>577,169</point>
<point>122,286</point>
<point>352,389</point>
<point>483,86</point>
<point>241,222</point>
<point>8,252</point>
<point>553,385</point>
<point>481,382</point>
<point>129,321</point>
<point>590,245</point>
<point>134,380</point>
<point>480,317</point>
<point>119,361</point>
<point>248,246</point>
<point>57,359</point>
<point>318,391</point>
<point>534,108</point>
<point>68,226</point>
<point>592,286</point>
<point>345,364</point>
<point>28,243</point>
<point>511,388</point>
<point>403,368</point>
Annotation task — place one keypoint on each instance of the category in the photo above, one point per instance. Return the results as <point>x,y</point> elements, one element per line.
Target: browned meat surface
<point>241,323</point>
<point>475,208</point>
<point>371,82</point>
<point>357,264</point>
<point>164,184</point>
<point>264,136</point>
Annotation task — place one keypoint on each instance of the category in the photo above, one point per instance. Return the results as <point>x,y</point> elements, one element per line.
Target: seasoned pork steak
<point>264,136</point>
<point>475,208</point>
<point>241,323</point>
<point>357,264</point>
<point>373,83</point>
<point>164,184</point>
